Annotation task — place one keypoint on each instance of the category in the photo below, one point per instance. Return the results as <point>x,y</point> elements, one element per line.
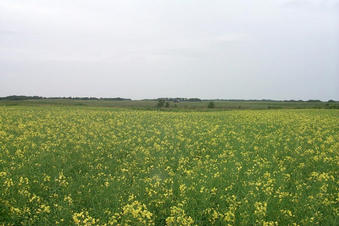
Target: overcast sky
<point>234,49</point>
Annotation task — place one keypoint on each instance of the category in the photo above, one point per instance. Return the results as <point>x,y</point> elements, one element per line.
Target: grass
<point>76,165</point>
<point>180,106</point>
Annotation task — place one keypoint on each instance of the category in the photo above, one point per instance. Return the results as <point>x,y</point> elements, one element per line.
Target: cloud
<point>8,32</point>
<point>232,37</point>
<point>235,48</point>
<point>188,48</point>
<point>311,4</point>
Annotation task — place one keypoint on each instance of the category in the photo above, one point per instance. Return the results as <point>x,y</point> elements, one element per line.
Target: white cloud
<point>311,4</point>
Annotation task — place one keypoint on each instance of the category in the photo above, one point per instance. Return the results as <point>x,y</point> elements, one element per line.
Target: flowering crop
<point>87,166</point>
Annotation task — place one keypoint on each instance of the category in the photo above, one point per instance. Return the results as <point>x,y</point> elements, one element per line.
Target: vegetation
<point>14,97</point>
<point>74,165</point>
<point>174,104</point>
<point>160,103</point>
<point>211,105</point>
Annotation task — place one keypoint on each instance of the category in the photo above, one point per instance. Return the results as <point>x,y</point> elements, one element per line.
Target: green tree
<point>160,103</point>
<point>211,105</point>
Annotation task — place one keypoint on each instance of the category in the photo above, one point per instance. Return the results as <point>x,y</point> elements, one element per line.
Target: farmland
<point>173,105</point>
<point>74,165</point>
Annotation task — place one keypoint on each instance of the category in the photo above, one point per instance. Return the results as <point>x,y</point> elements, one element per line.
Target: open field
<point>74,165</point>
<point>180,106</point>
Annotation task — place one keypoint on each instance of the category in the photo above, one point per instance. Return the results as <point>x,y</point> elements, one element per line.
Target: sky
<point>234,49</point>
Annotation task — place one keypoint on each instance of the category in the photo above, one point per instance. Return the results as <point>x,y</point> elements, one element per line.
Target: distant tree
<point>211,104</point>
<point>14,97</point>
<point>331,101</point>
<point>194,100</point>
<point>167,104</point>
<point>160,103</point>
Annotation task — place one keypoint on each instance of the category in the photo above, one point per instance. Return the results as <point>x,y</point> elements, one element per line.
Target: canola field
<point>87,166</point>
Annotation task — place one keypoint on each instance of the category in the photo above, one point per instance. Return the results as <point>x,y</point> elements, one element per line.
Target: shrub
<point>160,103</point>
<point>211,105</point>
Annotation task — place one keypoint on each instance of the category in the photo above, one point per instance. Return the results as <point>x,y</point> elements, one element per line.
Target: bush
<point>160,103</point>
<point>211,105</point>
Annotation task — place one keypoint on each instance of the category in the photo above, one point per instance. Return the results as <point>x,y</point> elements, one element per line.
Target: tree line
<point>15,97</point>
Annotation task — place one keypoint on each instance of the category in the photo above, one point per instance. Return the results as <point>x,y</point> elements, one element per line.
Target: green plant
<point>211,105</point>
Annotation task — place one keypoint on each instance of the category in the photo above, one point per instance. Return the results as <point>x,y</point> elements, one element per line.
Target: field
<point>74,165</point>
<point>177,106</point>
